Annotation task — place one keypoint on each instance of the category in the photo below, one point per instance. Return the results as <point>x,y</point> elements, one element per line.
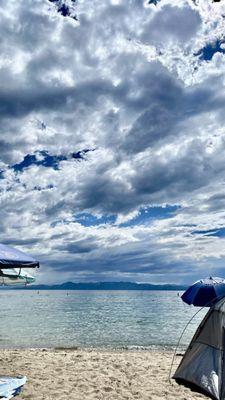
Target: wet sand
<point>64,374</point>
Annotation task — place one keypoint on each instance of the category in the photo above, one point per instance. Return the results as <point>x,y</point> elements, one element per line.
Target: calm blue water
<point>94,319</point>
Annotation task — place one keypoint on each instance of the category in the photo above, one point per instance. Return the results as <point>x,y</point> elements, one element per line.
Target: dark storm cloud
<point>137,262</point>
<point>79,247</point>
<point>21,242</point>
<point>17,103</point>
<point>102,192</point>
<point>176,23</point>
<point>182,173</point>
<point>22,101</point>
<point>168,105</point>
<point>216,202</point>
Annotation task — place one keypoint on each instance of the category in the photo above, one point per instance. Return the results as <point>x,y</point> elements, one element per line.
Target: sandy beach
<point>92,374</point>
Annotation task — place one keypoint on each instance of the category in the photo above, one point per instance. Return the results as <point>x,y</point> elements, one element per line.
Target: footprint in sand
<point>108,389</point>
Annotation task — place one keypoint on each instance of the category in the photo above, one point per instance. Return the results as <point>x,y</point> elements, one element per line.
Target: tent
<point>203,364</point>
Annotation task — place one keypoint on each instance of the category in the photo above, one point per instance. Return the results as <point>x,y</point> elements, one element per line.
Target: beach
<point>66,374</point>
<point>94,345</point>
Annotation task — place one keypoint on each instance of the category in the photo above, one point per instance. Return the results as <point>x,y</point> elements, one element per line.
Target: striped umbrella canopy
<point>205,292</point>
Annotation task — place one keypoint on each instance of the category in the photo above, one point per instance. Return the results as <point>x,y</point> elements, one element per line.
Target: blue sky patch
<point>207,52</point>
<point>64,9</point>
<point>79,155</point>
<point>155,2</point>
<point>44,159</point>
<point>147,214</point>
<point>87,219</point>
<point>220,232</point>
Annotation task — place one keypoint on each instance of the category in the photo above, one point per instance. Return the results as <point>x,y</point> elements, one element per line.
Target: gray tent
<point>203,364</point>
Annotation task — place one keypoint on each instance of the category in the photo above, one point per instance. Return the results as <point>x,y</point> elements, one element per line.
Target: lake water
<point>112,319</point>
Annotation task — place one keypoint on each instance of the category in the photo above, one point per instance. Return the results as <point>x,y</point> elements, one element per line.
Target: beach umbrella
<point>13,258</point>
<point>205,292</point>
<point>11,272</point>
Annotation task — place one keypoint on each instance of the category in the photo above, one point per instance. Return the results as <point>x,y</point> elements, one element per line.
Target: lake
<point>101,319</point>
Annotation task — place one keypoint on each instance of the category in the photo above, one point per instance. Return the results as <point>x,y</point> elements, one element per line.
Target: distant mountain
<point>104,286</point>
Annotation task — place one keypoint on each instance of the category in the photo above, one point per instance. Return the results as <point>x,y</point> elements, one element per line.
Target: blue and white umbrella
<point>205,292</point>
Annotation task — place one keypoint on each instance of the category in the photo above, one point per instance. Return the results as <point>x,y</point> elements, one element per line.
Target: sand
<point>92,374</point>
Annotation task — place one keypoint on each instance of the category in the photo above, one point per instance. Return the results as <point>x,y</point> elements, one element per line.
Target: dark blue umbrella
<point>205,292</point>
<point>12,258</point>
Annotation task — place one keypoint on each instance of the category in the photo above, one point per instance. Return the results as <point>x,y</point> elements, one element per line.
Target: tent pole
<point>175,351</point>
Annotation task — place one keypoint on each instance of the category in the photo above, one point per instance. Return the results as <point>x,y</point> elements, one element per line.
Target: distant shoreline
<point>102,286</point>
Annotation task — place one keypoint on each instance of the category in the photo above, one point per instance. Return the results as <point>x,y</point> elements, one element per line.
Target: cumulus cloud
<point>109,109</point>
<point>172,23</point>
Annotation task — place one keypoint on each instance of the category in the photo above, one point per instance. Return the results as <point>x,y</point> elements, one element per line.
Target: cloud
<point>105,120</point>
<point>172,23</point>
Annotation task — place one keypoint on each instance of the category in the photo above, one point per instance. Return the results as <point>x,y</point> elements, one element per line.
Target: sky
<point>112,138</point>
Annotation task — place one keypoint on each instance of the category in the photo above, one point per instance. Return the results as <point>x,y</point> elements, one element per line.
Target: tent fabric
<point>212,334</point>
<point>203,364</point>
<point>202,369</point>
<point>13,258</point>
